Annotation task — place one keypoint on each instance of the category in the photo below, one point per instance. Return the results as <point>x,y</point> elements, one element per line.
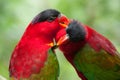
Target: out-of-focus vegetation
<point>15,15</point>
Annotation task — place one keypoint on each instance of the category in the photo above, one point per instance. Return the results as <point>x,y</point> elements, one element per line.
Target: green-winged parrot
<point>92,55</point>
<point>33,58</point>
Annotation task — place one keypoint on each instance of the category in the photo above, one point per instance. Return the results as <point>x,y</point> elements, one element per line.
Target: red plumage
<point>93,38</point>
<point>73,42</point>
<point>31,53</point>
<point>98,42</point>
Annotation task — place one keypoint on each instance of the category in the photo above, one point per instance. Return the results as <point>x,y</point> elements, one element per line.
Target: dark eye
<point>50,19</point>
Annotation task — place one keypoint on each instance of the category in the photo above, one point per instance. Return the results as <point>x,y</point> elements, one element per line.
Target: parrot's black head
<point>46,15</point>
<point>75,31</point>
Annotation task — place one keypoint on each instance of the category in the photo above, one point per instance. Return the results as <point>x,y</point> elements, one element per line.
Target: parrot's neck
<point>39,37</point>
<point>40,32</point>
<point>70,49</point>
<point>39,41</point>
<point>70,53</point>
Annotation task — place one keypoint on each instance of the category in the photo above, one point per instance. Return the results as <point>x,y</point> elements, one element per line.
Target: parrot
<point>33,57</point>
<point>92,55</point>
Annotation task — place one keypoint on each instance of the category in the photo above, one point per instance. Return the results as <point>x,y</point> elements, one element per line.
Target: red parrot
<point>33,58</point>
<point>92,55</point>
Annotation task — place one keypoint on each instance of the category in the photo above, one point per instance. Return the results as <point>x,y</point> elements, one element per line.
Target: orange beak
<point>63,21</point>
<point>62,40</point>
<point>59,42</point>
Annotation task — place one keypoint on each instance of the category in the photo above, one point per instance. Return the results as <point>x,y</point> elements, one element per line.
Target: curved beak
<point>62,40</point>
<point>63,21</point>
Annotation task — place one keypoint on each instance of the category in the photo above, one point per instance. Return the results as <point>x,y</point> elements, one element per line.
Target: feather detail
<point>50,71</point>
<point>98,42</point>
<point>97,65</point>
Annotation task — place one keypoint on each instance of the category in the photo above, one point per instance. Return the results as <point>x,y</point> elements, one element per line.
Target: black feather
<point>49,14</point>
<point>76,31</point>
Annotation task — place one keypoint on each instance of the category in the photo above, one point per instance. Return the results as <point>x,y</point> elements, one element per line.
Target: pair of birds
<point>92,55</point>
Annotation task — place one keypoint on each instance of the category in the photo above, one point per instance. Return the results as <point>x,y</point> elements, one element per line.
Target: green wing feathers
<point>51,69</point>
<point>97,65</point>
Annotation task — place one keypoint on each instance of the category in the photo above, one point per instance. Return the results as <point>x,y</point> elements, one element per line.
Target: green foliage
<point>15,15</point>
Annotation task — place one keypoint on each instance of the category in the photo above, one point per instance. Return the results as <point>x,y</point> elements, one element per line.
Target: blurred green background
<point>15,15</point>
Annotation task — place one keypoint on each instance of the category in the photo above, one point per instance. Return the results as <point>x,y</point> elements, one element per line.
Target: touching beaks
<point>59,42</point>
<point>62,39</point>
<point>63,21</point>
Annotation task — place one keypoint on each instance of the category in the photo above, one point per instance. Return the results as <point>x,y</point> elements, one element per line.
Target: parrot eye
<point>50,19</point>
